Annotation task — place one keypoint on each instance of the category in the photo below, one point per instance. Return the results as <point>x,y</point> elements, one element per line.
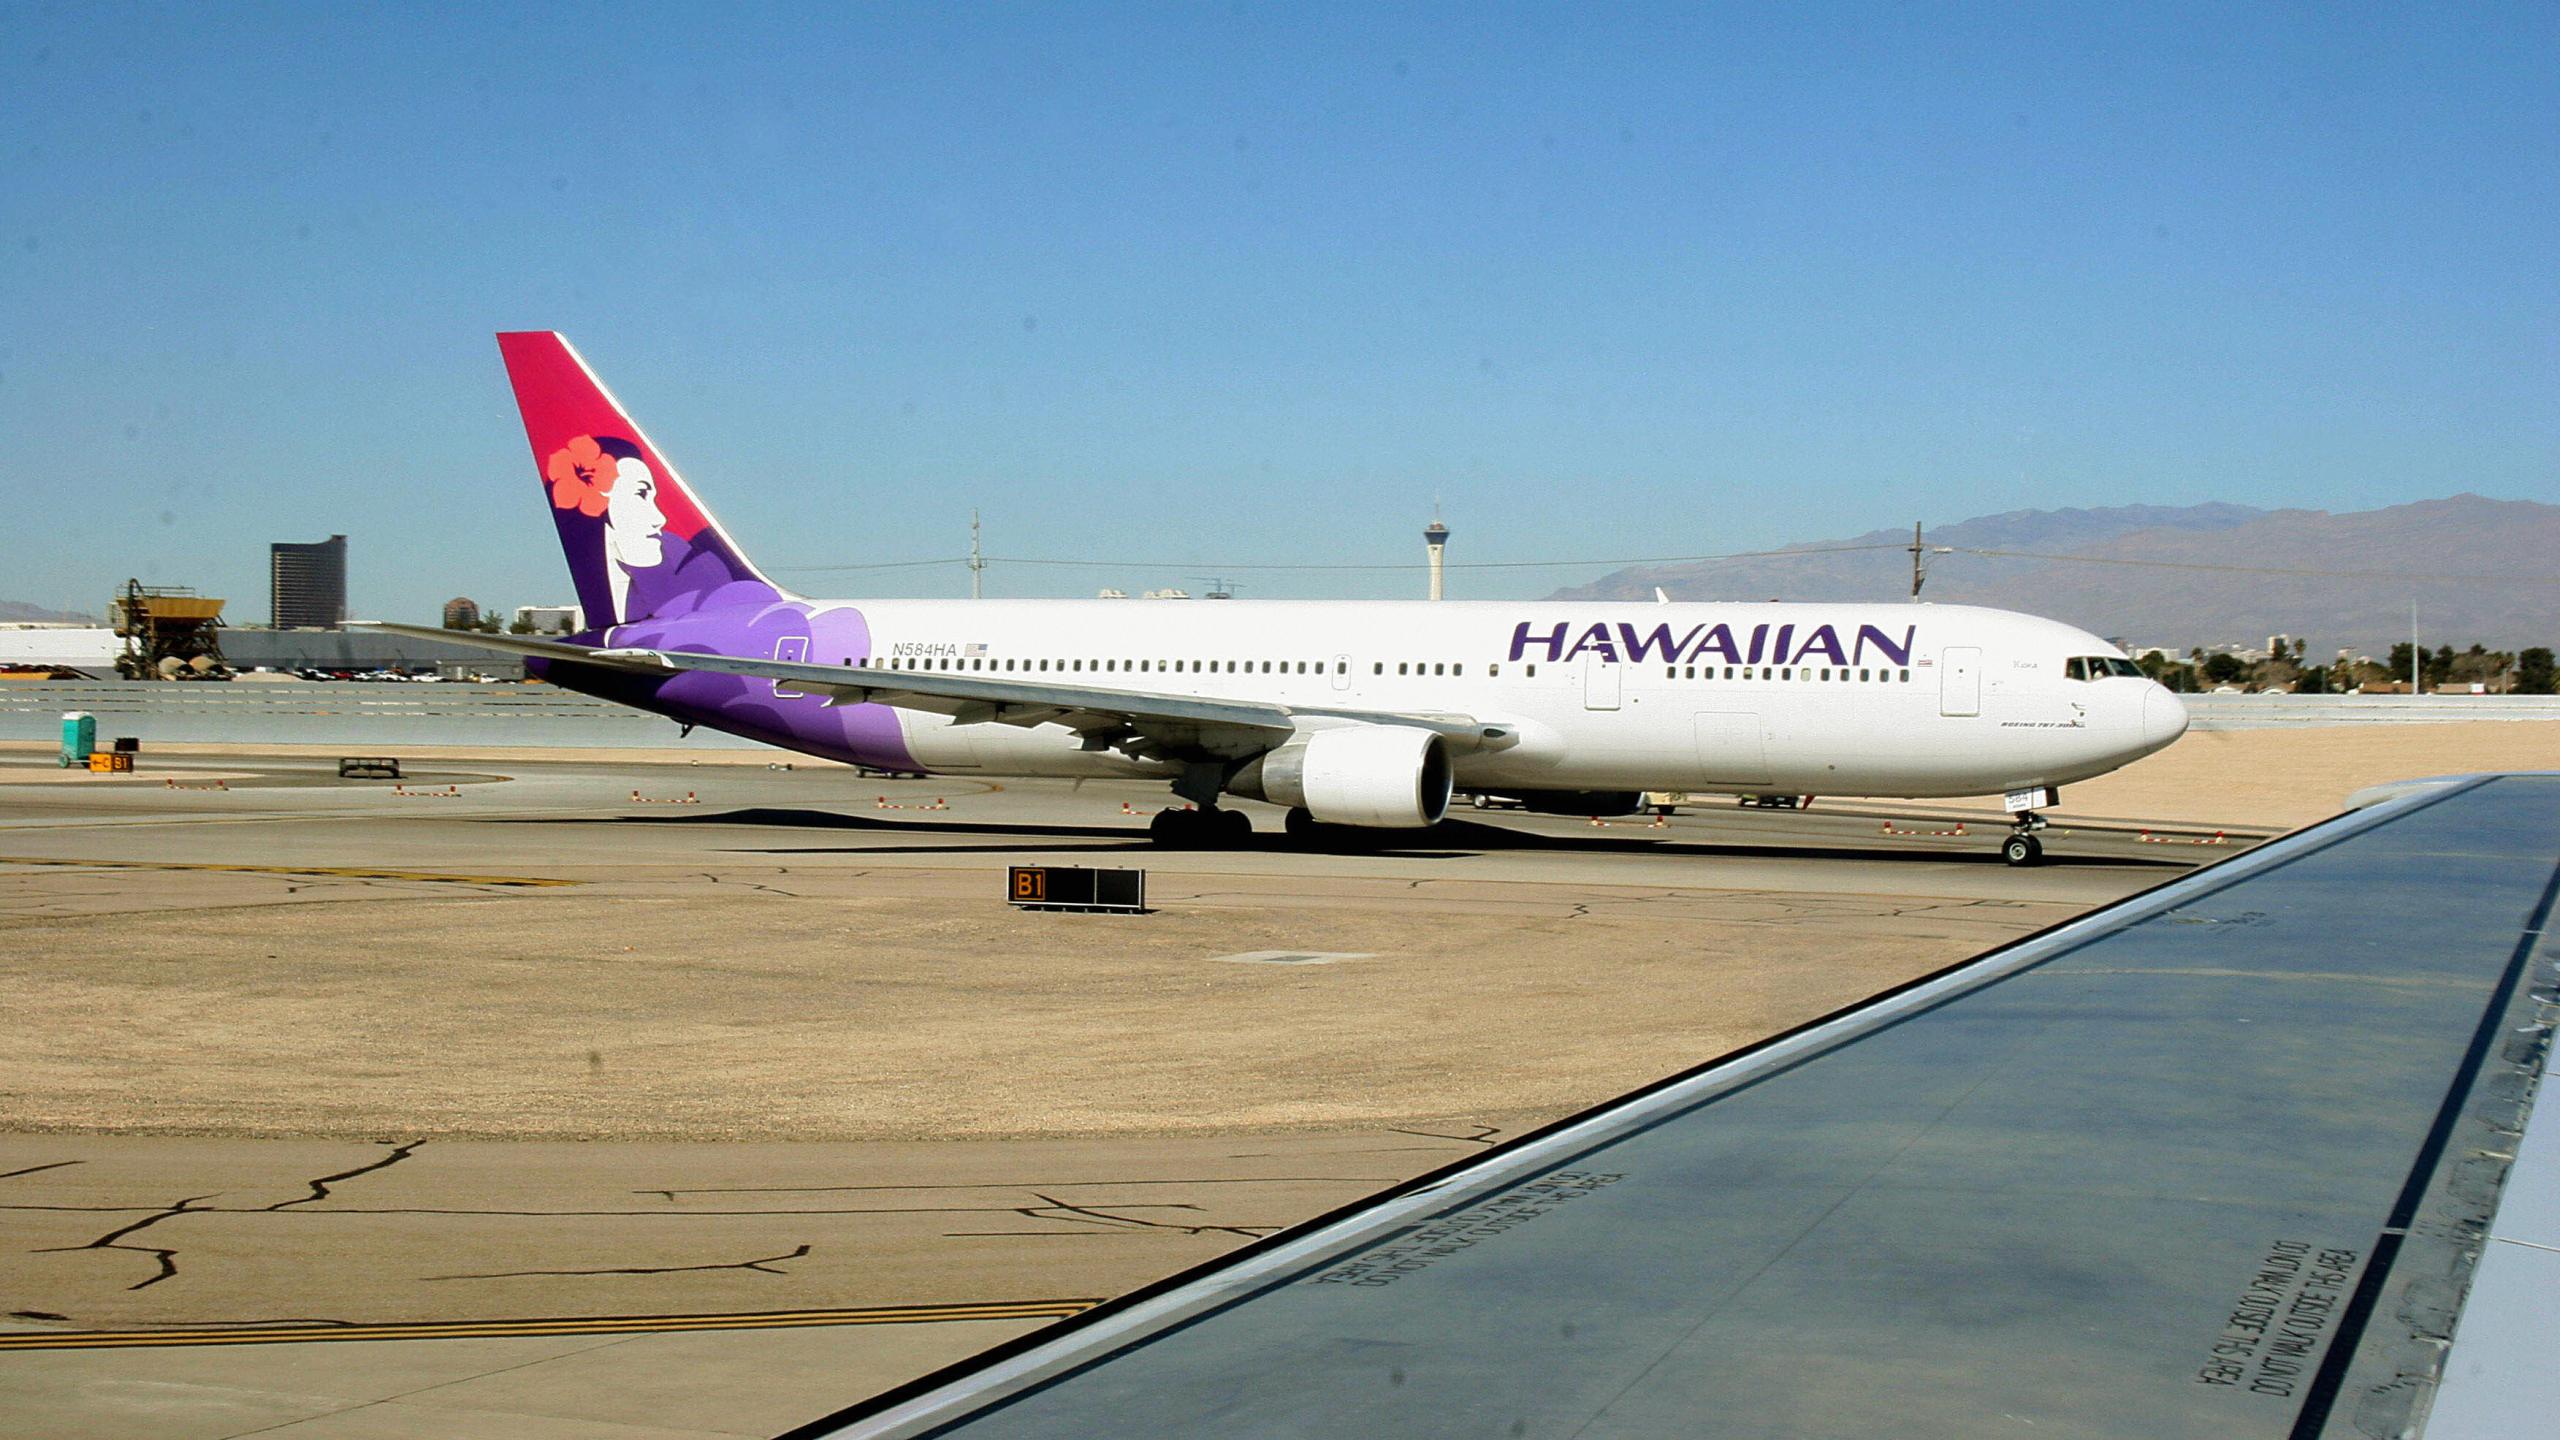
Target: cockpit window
<point>2097,667</point>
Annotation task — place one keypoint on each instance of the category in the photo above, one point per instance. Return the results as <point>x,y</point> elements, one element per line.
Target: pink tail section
<point>638,542</point>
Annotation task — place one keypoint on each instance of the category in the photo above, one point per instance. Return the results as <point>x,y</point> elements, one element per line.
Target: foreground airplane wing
<point>2229,1158</point>
<point>971,699</point>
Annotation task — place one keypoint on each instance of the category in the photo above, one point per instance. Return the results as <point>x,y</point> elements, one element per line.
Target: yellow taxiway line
<point>566,1325</point>
<point>343,872</point>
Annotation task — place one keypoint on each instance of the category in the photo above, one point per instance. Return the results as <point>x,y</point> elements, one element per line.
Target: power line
<point>2260,569</point>
<point>877,565</point>
<point>1226,565</point>
<point>1233,567</point>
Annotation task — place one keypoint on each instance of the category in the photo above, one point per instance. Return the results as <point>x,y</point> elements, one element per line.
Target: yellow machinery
<point>169,633</point>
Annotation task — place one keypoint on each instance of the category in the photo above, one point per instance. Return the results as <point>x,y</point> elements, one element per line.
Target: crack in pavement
<point>1483,1136</point>
<point>258,1324</point>
<point>763,1265</point>
<point>348,1211</point>
<point>32,1169</point>
<point>167,1259</point>
<point>1034,1186</point>
<point>1057,1209</point>
<point>400,1150</point>
<point>752,885</point>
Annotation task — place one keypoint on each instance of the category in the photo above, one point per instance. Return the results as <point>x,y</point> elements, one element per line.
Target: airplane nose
<point>2163,718</point>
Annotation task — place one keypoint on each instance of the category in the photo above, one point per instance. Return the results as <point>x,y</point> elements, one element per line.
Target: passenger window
<point>1493,671</point>
<point>1533,669</point>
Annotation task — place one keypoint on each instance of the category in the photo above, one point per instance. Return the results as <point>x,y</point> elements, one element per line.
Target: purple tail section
<point>654,569</point>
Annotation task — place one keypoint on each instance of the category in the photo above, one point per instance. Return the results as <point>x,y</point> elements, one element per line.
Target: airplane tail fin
<point>639,545</point>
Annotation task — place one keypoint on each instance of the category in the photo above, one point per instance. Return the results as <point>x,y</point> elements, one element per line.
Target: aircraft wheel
<point>1233,828</point>
<point>1174,829</point>
<point>2022,850</point>
<point>1302,825</point>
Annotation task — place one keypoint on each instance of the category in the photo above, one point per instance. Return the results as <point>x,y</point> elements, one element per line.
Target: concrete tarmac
<point>534,1097</point>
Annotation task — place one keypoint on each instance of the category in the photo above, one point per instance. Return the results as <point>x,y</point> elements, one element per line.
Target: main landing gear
<point>2022,847</point>
<point>1200,829</point>
<point>1206,826</point>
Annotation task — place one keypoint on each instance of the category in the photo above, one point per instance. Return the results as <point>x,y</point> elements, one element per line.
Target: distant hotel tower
<point>1435,543</point>
<point>307,584</point>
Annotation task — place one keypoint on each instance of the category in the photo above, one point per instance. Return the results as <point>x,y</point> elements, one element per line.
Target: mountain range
<point>20,612</point>
<point>2480,570</point>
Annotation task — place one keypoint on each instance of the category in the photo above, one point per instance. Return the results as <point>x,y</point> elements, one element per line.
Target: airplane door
<point>1599,682</point>
<point>1341,672</point>
<point>1731,748</point>
<point>793,649</point>
<point>1960,680</point>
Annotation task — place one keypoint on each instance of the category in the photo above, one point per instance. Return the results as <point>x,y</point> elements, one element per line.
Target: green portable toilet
<point>79,738</point>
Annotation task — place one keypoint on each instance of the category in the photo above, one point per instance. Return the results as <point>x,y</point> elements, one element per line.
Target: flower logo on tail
<point>580,473</point>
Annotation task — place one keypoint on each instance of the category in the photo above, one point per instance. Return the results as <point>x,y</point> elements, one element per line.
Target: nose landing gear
<point>2022,847</point>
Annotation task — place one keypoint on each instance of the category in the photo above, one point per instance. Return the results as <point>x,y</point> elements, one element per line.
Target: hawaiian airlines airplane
<point>1350,713</point>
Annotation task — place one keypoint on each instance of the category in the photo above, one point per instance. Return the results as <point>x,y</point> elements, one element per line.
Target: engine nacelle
<point>1389,776</point>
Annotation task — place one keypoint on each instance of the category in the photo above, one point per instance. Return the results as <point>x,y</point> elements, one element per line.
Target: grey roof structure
<point>2222,1159</point>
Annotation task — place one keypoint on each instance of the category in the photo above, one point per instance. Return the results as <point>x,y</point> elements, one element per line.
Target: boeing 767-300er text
<point>1350,713</point>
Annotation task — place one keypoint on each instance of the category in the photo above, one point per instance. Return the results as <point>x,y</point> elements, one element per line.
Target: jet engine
<point>1390,776</point>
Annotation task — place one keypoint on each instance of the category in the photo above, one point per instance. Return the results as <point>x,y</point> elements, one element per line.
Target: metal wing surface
<point>2220,1160</point>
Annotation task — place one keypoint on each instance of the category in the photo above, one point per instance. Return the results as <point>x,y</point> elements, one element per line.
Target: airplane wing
<point>2253,1154</point>
<point>1105,715</point>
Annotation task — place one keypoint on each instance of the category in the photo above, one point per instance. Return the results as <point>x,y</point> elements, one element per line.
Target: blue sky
<point>1180,286</point>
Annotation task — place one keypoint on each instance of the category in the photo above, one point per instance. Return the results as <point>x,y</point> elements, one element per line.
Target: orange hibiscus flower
<point>580,474</point>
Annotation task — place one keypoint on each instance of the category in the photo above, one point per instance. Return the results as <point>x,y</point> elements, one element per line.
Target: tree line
<point>2499,672</point>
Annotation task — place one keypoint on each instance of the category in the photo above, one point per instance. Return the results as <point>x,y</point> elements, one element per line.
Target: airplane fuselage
<point>1888,700</point>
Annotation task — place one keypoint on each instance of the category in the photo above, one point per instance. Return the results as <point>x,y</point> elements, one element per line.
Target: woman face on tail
<point>635,528</point>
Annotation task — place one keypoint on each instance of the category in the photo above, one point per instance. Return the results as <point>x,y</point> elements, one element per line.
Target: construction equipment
<point>169,633</point>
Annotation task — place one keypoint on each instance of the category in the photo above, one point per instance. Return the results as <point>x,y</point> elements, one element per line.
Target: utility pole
<point>2414,652</point>
<point>1919,575</point>
<point>977,562</point>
